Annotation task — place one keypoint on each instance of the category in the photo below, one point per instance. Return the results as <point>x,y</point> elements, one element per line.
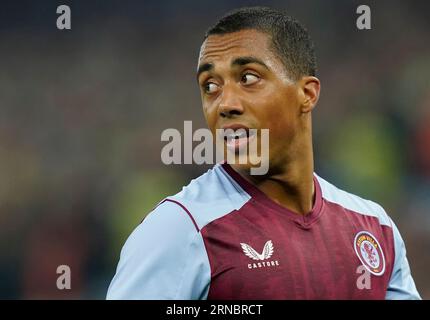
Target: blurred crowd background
<point>82,111</point>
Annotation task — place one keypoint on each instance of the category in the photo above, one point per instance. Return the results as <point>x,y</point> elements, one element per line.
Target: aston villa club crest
<point>370,253</point>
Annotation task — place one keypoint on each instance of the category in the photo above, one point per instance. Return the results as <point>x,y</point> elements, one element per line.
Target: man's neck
<point>292,186</point>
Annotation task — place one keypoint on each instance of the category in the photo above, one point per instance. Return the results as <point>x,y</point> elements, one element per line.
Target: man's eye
<point>249,78</point>
<point>210,87</point>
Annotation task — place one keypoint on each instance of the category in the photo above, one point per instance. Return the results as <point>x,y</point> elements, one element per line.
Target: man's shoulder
<point>353,202</point>
<point>208,197</point>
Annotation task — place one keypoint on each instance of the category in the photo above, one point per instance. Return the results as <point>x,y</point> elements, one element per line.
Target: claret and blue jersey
<point>222,238</point>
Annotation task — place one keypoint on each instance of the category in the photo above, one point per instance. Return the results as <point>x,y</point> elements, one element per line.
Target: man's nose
<point>230,104</point>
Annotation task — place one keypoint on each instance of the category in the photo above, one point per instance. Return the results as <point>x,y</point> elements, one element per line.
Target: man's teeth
<point>237,135</point>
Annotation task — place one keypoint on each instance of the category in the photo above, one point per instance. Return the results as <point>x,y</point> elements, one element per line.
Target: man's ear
<point>310,87</point>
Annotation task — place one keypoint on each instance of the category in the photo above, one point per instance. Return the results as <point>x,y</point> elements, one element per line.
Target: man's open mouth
<point>237,139</point>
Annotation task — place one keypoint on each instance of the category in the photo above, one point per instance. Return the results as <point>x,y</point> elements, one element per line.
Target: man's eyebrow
<point>241,61</point>
<point>204,67</point>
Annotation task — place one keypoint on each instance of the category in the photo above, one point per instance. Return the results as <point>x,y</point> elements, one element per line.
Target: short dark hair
<point>290,39</point>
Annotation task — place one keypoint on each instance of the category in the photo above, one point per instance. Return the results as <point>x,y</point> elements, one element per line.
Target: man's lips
<point>235,127</point>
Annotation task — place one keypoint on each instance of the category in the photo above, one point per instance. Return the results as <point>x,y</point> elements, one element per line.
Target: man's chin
<point>247,161</point>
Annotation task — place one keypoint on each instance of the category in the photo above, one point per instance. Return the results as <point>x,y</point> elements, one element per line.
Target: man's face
<point>244,84</point>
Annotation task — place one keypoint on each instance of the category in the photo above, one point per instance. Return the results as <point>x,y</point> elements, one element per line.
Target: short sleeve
<point>401,285</point>
<point>163,258</point>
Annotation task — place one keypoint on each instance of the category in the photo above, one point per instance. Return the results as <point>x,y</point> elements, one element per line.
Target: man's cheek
<point>280,137</point>
<point>211,121</point>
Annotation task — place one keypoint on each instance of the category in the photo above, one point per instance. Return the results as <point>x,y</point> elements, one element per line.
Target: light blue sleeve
<point>401,286</point>
<point>164,258</point>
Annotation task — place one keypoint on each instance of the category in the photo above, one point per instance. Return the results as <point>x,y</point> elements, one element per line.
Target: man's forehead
<point>241,43</point>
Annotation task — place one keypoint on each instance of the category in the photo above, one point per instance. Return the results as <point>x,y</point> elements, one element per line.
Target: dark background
<point>82,111</point>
